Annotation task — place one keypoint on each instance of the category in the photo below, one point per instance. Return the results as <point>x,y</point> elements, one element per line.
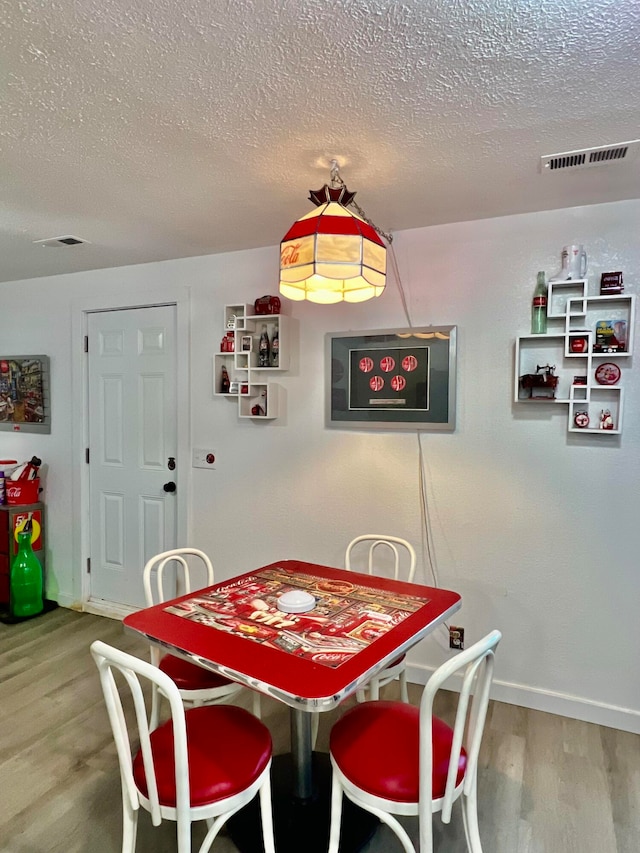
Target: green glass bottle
<point>26,593</point>
<point>539,306</point>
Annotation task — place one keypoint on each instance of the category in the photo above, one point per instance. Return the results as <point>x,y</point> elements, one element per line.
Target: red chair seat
<point>375,745</point>
<point>228,749</point>
<point>394,663</point>
<point>190,676</point>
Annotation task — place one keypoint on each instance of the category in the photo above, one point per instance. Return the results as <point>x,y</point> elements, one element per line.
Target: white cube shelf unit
<point>250,384</point>
<point>574,351</point>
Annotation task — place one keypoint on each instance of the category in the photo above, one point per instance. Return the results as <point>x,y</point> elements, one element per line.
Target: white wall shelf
<point>574,346</point>
<point>257,398</point>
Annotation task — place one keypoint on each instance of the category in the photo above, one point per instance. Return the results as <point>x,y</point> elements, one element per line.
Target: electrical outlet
<point>456,638</point>
<point>203,458</point>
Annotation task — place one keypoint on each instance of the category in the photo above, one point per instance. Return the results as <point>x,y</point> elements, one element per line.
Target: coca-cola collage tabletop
<point>346,619</point>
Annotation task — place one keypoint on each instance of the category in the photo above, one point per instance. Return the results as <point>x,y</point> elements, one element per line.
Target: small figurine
<point>606,421</point>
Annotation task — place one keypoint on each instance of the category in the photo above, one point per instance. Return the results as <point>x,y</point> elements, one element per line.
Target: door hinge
<point>86,343</point>
<point>88,565</point>
<point>86,455</point>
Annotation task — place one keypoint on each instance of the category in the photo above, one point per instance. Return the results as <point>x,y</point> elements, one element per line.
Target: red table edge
<point>327,687</point>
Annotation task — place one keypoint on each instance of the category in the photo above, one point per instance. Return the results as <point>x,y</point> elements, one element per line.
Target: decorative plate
<point>607,374</point>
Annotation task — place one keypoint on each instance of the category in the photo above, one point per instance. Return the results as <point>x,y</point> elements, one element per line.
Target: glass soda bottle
<point>264,348</point>
<point>539,307</point>
<point>26,587</point>
<point>275,348</point>
<point>225,382</point>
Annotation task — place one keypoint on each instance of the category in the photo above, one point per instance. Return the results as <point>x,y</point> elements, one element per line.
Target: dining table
<point>310,661</point>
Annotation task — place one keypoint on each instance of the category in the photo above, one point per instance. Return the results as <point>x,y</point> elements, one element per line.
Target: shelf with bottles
<point>253,346</point>
<point>224,374</point>
<point>244,339</point>
<point>276,328</point>
<point>581,336</point>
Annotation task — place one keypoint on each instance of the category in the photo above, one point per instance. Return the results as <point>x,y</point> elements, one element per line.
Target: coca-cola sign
<point>331,658</point>
<point>290,254</point>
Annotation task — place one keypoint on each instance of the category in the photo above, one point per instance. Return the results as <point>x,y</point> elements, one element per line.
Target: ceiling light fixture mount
<point>333,254</point>
<point>58,242</point>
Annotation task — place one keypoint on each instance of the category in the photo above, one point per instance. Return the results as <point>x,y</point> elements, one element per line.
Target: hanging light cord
<point>424,510</point>
<point>427,536</point>
<point>336,181</point>
<point>396,273</point>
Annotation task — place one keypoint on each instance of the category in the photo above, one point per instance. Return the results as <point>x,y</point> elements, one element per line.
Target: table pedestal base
<point>301,824</point>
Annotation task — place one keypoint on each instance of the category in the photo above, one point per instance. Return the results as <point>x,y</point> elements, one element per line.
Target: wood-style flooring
<point>547,784</point>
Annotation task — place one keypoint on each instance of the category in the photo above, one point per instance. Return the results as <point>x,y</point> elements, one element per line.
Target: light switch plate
<point>203,458</point>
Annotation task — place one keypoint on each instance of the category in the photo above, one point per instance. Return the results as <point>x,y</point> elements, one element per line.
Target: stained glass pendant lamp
<point>333,254</point>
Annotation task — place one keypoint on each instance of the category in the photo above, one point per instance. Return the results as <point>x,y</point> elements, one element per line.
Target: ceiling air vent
<point>57,242</point>
<point>586,157</point>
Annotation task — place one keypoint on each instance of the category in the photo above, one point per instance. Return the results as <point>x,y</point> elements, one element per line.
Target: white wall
<point>539,530</point>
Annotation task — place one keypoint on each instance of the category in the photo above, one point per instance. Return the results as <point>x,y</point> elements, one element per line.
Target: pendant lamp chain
<point>336,181</point>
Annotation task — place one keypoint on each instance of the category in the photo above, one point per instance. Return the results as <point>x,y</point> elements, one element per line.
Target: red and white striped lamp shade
<point>332,254</point>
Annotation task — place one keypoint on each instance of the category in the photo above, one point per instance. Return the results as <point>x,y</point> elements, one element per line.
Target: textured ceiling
<point>159,130</point>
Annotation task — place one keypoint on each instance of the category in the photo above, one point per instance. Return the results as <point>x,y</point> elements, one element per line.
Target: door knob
<point>169,487</point>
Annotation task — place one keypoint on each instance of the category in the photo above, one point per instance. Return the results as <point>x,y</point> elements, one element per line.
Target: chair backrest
<point>177,557</point>
<point>132,670</point>
<point>403,554</point>
<point>475,664</point>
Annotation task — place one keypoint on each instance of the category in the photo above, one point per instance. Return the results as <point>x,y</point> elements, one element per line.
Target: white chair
<point>197,685</point>
<point>204,763</point>
<point>391,758</point>
<point>402,563</point>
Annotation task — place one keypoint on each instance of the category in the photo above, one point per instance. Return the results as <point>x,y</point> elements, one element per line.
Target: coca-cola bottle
<point>275,348</point>
<point>225,382</point>
<point>264,348</point>
<point>539,306</point>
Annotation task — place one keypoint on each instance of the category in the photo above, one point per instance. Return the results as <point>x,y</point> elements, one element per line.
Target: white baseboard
<point>575,707</point>
<point>98,608</point>
<point>68,601</point>
<point>587,710</point>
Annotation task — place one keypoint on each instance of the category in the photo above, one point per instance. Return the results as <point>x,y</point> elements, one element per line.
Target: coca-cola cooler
<point>12,520</point>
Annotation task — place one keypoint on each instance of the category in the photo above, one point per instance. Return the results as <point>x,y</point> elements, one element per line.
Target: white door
<point>132,447</point>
